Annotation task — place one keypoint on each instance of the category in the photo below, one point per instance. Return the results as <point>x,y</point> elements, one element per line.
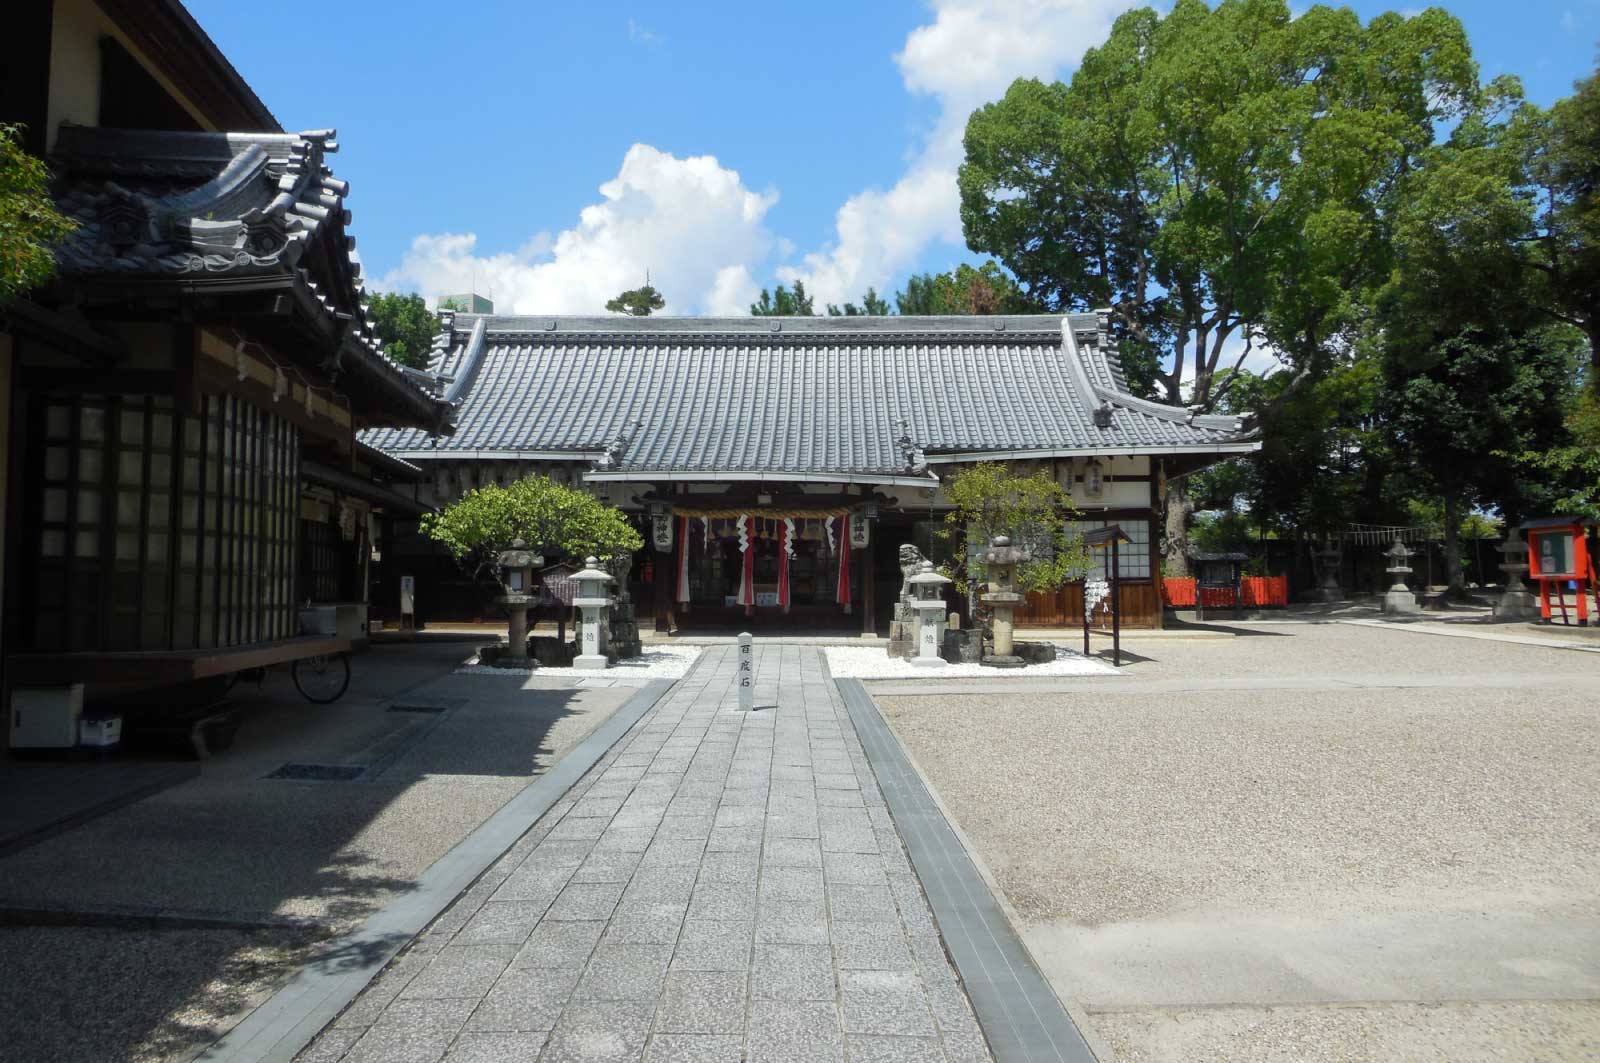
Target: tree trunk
<point>1179,510</point>
<point>1456,587</point>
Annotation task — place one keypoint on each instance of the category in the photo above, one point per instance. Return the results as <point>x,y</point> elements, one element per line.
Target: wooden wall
<point>1141,607</point>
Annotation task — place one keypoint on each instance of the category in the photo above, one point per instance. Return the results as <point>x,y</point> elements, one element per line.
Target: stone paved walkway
<point>722,886</point>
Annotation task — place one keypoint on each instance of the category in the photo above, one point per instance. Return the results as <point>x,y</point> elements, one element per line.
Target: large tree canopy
<point>1561,183</point>
<point>29,222</point>
<point>1216,173</point>
<point>405,325</point>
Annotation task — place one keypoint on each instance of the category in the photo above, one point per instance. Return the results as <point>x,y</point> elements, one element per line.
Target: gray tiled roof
<point>226,208</point>
<point>789,395</point>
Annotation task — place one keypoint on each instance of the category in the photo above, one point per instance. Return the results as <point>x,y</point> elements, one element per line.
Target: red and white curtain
<point>683,560</point>
<point>785,552</point>
<point>747,570</point>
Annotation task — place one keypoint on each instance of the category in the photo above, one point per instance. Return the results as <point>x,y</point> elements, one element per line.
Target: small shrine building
<point>778,465</point>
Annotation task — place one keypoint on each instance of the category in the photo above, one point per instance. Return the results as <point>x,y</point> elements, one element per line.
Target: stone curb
<point>1022,1018</point>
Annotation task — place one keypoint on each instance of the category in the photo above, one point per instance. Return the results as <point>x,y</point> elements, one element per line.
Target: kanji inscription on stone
<point>747,692</point>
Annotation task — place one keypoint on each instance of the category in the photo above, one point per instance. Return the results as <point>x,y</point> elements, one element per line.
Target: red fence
<point>1257,591</point>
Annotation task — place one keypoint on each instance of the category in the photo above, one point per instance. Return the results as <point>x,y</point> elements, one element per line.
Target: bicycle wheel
<point>322,678</point>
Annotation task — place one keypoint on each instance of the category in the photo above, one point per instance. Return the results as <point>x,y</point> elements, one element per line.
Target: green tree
<point>872,305</point>
<point>551,518</point>
<point>1475,372</point>
<point>1216,173</point>
<point>640,302</point>
<point>405,325</point>
<point>965,290</point>
<point>30,225</point>
<point>991,499</point>
<point>784,302</point>
<point>1562,245</point>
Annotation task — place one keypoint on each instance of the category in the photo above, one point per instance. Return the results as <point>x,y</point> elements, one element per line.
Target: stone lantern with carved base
<point>516,578</point>
<point>1398,600</point>
<point>1003,598</point>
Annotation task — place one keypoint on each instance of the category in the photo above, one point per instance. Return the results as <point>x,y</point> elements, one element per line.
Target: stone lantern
<point>1398,600</point>
<point>1517,602</point>
<point>1002,559</point>
<point>517,581</point>
<point>593,600</point>
<point>927,599</point>
<point>1328,589</point>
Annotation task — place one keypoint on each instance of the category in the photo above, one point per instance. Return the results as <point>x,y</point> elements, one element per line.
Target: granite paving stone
<point>496,1048</point>
<point>600,1032</point>
<point>793,972</point>
<point>525,999</point>
<point>556,943</point>
<point>625,971</point>
<point>867,1048</point>
<point>461,971</point>
<point>713,945</point>
<point>724,887</point>
<point>702,1002</point>
<point>502,923</point>
<point>695,1048</point>
<point>586,901</point>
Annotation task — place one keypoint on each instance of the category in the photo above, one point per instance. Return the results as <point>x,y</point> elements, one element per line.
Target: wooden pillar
<point>1157,467</point>
<point>666,574</point>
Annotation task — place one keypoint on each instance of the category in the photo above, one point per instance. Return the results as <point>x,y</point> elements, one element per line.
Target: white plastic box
<point>46,718</point>
<point>102,733</point>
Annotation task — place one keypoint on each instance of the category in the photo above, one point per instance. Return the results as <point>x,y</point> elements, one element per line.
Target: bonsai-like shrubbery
<point>549,518</point>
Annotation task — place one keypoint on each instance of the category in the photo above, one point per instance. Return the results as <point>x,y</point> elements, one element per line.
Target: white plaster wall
<point>75,68</point>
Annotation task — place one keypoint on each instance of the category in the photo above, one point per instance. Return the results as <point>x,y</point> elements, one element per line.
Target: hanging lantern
<point>860,531</point>
<point>1092,483</point>
<point>661,527</point>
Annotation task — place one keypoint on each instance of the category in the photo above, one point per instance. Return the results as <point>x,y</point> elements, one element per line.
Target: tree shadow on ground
<point>254,849</point>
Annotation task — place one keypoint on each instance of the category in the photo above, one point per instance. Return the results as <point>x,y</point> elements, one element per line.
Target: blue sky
<point>552,152</point>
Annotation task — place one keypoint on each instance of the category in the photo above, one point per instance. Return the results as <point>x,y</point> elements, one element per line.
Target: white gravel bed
<point>871,662</point>
<point>667,662</point>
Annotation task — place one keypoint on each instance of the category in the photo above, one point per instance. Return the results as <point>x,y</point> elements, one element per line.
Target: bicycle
<point>321,678</point>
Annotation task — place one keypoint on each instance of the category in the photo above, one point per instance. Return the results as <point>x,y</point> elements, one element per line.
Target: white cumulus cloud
<point>690,222</point>
<point>965,57</point>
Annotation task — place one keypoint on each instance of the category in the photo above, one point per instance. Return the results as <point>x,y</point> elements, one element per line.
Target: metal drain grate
<point>319,772</point>
<point>418,708</point>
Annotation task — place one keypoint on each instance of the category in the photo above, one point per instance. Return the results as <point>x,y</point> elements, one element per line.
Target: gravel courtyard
<point>1307,842</point>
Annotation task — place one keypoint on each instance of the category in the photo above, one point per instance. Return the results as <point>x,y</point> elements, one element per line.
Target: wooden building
<point>181,465</point>
<point>779,464</point>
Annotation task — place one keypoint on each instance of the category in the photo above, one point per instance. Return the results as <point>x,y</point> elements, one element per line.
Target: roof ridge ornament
<point>612,456</point>
<point>914,458</point>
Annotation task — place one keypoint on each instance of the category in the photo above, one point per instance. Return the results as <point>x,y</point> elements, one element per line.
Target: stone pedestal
<point>930,635</point>
<point>903,631</point>
<point>1516,601</point>
<point>903,627</point>
<point>517,606</point>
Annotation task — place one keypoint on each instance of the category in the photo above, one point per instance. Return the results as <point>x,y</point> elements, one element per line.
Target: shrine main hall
<point>777,465</point>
